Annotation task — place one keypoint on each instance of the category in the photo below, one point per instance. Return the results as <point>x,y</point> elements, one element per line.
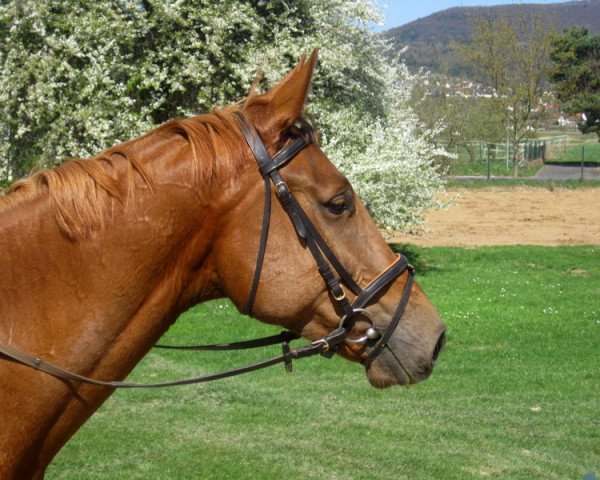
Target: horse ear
<point>282,106</point>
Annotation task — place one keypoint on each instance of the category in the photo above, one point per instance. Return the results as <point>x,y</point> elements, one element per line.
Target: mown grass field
<point>556,153</point>
<point>462,166</point>
<point>516,393</point>
<point>573,154</point>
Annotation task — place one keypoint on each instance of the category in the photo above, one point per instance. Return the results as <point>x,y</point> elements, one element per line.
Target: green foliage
<point>512,56</point>
<point>576,75</point>
<point>514,395</point>
<point>77,77</point>
<point>64,81</point>
<point>106,71</point>
<point>468,122</point>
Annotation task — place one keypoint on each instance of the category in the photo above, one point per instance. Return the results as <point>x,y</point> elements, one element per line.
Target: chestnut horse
<point>100,256</point>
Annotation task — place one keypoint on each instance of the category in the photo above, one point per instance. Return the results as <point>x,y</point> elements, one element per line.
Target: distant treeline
<point>430,38</point>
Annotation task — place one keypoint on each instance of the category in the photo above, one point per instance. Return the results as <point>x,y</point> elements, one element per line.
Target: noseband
<point>375,337</point>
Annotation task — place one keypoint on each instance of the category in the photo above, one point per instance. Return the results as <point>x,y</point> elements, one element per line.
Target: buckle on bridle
<point>324,347</point>
<point>281,189</point>
<point>340,297</point>
<point>323,343</point>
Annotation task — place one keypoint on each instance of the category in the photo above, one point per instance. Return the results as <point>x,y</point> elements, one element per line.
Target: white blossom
<point>77,77</point>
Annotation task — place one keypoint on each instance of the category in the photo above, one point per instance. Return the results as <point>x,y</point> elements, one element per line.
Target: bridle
<point>374,337</point>
<point>325,259</point>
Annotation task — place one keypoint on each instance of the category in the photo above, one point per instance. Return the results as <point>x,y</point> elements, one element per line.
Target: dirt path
<point>507,216</point>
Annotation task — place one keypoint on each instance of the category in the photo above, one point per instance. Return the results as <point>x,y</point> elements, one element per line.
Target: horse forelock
<point>83,192</point>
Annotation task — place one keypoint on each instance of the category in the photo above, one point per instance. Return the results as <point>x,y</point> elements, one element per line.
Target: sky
<point>400,12</point>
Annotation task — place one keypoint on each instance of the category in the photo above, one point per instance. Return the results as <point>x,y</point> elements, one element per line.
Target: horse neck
<point>94,305</point>
<point>77,300</point>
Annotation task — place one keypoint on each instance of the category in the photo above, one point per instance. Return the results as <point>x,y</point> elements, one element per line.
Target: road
<point>561,172</point>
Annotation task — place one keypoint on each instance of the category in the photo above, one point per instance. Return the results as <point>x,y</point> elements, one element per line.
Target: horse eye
<point>337,205</point>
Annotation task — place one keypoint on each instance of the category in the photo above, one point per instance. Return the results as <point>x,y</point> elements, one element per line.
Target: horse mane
<point>83,192</point>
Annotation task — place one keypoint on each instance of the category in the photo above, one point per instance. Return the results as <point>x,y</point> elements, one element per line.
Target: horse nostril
<point>438,347</point>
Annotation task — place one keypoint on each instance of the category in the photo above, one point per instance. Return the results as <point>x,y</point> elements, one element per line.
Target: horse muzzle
<point>407,358</point>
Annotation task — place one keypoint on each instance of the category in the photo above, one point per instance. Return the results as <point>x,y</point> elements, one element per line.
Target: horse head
<point>290,290</point>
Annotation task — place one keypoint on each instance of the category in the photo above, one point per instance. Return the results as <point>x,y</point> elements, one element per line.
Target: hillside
<point>429,39</point>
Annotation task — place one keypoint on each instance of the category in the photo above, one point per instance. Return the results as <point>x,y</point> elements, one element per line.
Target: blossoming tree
<point>77,77</point>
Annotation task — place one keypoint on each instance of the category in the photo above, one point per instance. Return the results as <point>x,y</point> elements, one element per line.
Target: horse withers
<point>101,255</point>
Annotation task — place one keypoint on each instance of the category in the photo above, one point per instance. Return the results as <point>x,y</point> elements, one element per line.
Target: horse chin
<point>389,369</point>
<point>380,378</point>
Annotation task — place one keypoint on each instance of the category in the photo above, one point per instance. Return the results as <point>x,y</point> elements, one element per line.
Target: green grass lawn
<point>463,166</point>
<point>572,154</point>
<point>516,393</point>
<point>498,168</point>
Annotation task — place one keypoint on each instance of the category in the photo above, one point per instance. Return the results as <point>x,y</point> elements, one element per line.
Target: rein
<point>374,337</point>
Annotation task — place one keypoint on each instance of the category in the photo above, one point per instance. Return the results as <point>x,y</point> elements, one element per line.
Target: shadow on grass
<point>417,256</point>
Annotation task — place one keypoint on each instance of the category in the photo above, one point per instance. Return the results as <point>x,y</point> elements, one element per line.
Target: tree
<point>576,75</point>
<point>79,76</point>
<point>468,120</point>
<point>390,159</point>
<point>512,56</point>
